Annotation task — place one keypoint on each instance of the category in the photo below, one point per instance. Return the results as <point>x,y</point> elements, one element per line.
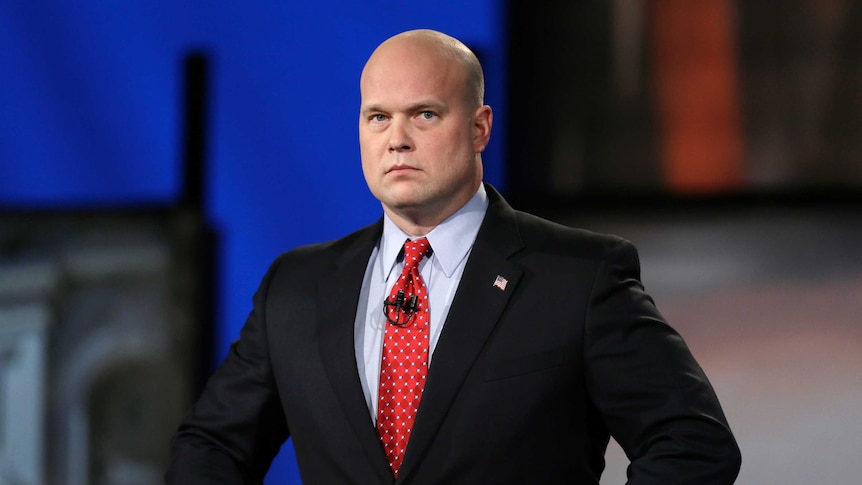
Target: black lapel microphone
<point>401,308</point>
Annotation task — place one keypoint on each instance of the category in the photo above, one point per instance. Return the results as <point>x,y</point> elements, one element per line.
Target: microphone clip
<point>402,308</point>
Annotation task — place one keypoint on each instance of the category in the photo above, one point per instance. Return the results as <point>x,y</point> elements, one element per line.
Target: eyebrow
<point>411,108</point>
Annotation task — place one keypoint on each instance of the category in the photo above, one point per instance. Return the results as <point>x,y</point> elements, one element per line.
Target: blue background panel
<point>91,116</point>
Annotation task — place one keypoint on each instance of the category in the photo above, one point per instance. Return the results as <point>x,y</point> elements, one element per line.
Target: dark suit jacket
<point>525,384</point>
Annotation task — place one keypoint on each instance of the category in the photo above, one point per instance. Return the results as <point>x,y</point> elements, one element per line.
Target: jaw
<point>419,208</point>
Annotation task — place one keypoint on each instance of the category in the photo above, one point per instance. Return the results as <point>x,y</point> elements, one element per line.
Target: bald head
<point>435,47</point>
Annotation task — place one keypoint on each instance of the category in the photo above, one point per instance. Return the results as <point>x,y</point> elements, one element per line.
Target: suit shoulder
<point>318,253</point>
<point>542,234</point>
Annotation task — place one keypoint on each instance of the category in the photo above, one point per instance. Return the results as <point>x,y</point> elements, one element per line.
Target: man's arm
<point>235,429</point>
<point>654,398</point>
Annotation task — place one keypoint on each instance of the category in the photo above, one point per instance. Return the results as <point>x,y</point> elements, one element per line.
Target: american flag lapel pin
<point>500,283</point>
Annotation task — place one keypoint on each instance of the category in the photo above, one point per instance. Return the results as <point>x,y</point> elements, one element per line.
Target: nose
<point>399,136</point>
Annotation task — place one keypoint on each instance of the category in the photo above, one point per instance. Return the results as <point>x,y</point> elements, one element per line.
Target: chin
<point>403,204</point>
<point>406,195</point>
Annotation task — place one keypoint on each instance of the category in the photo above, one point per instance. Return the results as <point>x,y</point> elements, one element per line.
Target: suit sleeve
<point>237,426</point>
<point>653,396</point>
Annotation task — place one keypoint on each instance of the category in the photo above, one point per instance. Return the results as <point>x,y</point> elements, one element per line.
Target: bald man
<point>455,341</point>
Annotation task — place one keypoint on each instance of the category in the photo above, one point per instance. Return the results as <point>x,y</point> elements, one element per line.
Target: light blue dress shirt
<point>451,242</point>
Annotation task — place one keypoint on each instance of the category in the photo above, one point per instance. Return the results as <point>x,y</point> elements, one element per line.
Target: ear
<point>483,118</point>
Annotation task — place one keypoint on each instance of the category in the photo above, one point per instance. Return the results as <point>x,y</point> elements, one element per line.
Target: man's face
<point>419,137</point>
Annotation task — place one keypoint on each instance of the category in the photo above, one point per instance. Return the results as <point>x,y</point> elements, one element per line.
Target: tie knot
<point>414,251</point>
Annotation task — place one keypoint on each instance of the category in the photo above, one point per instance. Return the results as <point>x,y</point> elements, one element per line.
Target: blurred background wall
<point>155,157</point>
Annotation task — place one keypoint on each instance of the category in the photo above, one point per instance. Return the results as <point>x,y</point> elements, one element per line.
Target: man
<point>507,352</point>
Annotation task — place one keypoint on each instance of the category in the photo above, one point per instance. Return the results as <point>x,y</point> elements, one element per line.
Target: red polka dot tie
<point>405,355</point>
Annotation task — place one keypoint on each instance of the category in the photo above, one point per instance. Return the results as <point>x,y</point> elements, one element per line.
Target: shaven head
<point>433,43</point>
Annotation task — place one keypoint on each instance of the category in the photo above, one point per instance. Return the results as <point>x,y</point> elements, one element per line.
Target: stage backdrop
<point>91,103</point>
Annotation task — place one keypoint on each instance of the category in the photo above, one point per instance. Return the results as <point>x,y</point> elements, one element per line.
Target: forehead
<point>411,71</point>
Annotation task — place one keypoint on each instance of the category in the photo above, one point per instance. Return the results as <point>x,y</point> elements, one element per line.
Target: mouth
<point>401,169</point>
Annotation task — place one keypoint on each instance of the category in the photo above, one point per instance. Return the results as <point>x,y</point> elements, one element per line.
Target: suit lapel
<point>474,313</point>
<point>338,289</point>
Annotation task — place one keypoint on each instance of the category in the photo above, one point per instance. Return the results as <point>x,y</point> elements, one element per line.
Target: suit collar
<point>338,288</point>
<point>474,313</point>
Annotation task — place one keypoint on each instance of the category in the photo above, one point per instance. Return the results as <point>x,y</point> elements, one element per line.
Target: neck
<point>413,226</point>
<point>419,221</point>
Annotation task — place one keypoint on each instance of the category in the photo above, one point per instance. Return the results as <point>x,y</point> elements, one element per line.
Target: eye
<point>427,115</point>
<point>379,118</point>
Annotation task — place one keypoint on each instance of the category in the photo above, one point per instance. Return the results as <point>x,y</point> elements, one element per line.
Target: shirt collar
<point>451,240</point>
